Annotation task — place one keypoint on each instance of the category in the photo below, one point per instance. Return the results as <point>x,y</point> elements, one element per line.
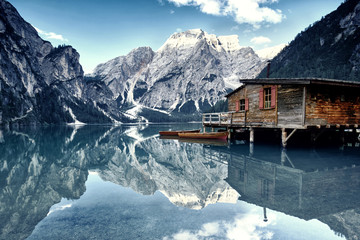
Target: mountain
<point>329,48</point>
<point>41,166</point>
<point>188,74</point>
<point>270,52</point>
<point>39,83</point>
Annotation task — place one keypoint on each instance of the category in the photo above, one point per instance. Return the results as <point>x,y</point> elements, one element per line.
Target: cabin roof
<point>295,81</point>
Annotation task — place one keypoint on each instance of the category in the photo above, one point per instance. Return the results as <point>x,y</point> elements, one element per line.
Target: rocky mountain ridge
<point>39,83</point>
<point>188,74</point>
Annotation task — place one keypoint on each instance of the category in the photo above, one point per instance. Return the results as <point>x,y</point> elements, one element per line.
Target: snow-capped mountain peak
<point>270,52</point>
<point>188,74</point>
<point>190,38</point>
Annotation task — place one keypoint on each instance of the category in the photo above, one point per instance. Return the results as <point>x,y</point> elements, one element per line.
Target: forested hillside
<point>329,48</point>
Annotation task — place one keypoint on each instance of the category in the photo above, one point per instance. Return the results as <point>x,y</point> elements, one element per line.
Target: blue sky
<point>101,30</point>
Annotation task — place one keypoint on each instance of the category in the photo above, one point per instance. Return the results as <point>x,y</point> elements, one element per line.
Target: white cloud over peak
<point>260,40</point>
<point>51,35</point>
<point>243,11</point>
<point>249,226</point>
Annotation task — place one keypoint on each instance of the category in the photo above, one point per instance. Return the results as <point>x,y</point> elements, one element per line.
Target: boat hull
<point>175,133</point>
<point>210,135</point>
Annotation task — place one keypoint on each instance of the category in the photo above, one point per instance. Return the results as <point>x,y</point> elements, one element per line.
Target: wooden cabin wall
<point>332,105</point>
<point>255,116</point>
<point>235,97</point>
<point>290,104</point>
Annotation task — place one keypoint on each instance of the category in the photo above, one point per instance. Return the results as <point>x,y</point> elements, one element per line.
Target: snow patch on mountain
<point>76,122</point>
<point>270,52</point>
<point>190,38</point>
<point>188,74</point>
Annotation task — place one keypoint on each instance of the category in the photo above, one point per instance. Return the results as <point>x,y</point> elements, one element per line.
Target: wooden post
<point>251,135</point>
<point>304,107</point>
<point>283,137</point>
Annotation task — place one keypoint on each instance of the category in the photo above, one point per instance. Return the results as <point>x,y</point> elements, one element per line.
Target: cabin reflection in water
<point>309,184</point>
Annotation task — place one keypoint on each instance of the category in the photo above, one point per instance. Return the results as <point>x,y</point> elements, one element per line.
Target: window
<point>267,98</point>
<point>242,105</point>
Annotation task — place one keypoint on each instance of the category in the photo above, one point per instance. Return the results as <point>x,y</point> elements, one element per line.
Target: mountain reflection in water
<point>40,167</point>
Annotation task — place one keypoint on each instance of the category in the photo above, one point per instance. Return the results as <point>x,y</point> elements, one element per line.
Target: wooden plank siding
<point>295,103</point>
<point>290,105</point>
<point>332,105</point>
<point>254,115</point>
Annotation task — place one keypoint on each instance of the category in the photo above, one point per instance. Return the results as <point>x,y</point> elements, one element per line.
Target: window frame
<point>267,98</point>
<point>242,105</point>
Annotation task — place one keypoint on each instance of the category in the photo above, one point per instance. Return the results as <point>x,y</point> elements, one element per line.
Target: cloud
<point>234,28</point>
<point>59,208</point>
<point>260,40</point>
<point>51,35</point>
<point>172,11</point>
<point>206,6</point>
<point>249,226</point>
<point>243,11</point>
<point>178,30</point>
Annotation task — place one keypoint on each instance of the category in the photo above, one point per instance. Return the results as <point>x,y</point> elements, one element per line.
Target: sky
<point>104,29</point>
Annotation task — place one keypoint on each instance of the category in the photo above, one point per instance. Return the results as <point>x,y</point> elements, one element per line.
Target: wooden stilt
<point>283,137</point>
<point>251,135</point>
<point>229,131</point>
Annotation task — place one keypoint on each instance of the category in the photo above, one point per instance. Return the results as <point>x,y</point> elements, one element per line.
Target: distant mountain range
<point>189,74</point>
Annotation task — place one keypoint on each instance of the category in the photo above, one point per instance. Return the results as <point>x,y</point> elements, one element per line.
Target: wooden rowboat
<point>209,135</point>
<point>175,133</point>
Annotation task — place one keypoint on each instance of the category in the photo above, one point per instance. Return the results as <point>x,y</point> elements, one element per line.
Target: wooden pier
<point>291,106</point>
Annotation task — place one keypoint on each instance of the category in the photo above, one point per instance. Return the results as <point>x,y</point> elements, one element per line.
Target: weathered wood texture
<point>254,116</point>
<point>298,105</point>
<point>238,118</point>
<point>329,105</point>
<point>290,105</point>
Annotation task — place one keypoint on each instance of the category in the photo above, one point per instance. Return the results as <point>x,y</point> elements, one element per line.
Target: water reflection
<point>40,167</point>
<point>319,184</point>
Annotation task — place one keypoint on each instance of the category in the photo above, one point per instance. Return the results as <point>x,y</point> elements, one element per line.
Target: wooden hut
<point>293,104</point>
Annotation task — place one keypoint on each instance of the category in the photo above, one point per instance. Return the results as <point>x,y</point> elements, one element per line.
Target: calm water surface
<point>102,182</point>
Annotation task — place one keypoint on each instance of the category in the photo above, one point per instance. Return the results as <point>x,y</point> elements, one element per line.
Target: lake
<point>124,182</point>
